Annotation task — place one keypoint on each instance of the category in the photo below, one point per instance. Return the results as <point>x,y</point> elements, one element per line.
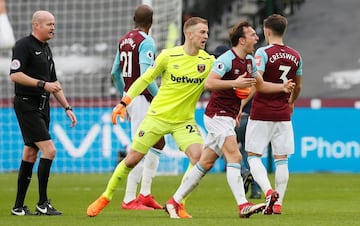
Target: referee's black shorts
<point>33,122</point>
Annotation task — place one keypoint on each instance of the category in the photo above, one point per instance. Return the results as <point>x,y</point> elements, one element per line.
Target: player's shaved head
<point>143,15</point>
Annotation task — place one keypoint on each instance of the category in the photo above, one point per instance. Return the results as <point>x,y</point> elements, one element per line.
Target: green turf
<point>311,199</point>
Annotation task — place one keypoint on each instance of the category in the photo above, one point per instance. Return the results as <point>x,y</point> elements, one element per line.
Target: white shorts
<point>137,110</point>
<point>218,127</point>
<point>260,133</point>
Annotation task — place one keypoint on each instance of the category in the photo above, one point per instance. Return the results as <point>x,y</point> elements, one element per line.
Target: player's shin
<point>119,175</point>
<point>190,181</point>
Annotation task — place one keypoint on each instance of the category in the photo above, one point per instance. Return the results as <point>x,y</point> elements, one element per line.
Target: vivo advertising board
<point>326,140</point>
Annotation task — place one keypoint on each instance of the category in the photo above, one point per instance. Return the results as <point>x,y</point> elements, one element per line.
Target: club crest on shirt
<point>249,68</point>
<point>141,133</point>
<point>201,68</point>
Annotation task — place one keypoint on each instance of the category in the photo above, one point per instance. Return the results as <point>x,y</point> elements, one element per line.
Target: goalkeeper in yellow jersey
<point>183,70</point>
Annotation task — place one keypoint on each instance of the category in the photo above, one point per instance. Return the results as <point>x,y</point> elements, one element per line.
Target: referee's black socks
<point>43,177</point>
<point>24,178</point>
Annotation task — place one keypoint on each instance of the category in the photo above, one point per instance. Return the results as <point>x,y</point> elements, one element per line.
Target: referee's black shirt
<point>33,58</point>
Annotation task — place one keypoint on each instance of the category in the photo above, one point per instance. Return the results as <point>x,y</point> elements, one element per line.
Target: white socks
<point>259,173</point>
<point>145,170</point>
<point>235,181</point>
<point>281,177</point>
<point>150,166</point>
<point>190,181</point>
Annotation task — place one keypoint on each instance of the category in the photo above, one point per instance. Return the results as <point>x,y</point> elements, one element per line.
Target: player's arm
<point>214,80</point>
<point>116,74</point>
<point>247,99</point>
<point>268,87</point>
<point>23,79</point>
<point>19,60</point>
<point>148,77</point>
<point>7,39</point>
<point>296,92</point>
<point>60,97</point>
<point>243,103</point>
<point>146,59</point>
<point>139,85</point>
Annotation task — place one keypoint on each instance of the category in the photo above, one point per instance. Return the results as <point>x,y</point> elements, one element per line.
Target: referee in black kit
<point>33,72</point>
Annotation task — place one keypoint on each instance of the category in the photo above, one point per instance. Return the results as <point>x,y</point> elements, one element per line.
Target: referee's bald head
<point>41,15</point>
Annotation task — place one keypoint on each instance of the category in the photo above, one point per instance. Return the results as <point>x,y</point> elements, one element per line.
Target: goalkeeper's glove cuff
<point>126,100</point>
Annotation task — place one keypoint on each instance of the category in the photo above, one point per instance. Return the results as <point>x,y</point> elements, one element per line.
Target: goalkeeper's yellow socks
<point>119,175</point>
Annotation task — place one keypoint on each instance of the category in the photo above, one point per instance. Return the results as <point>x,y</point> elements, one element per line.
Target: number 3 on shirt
<point>285,70</point>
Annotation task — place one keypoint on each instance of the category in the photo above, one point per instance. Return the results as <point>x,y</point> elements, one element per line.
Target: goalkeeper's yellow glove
<point>120,109</point>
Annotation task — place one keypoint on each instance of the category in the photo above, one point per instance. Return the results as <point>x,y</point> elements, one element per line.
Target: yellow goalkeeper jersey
<point>182,83</point>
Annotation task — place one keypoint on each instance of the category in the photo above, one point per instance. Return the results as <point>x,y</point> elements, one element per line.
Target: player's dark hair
<point>237,32</point>
<point>143,16</point>
<point>277,23</point>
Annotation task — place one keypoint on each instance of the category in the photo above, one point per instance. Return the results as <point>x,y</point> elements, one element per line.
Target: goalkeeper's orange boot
<point>182,212</point>
<point>149,201</point>
<point>95,208</point>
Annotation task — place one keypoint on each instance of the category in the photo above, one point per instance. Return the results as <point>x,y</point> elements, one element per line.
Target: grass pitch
<point>311,200</point>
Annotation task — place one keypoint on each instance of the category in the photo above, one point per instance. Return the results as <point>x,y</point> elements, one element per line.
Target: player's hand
<point>120,109</point>
<point>244,81</point>
<point>289,86</point>
<point>72,118</point>
<point>52,87</point>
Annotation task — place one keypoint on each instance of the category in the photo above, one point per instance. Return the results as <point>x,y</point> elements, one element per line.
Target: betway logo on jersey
<point>186,79</point>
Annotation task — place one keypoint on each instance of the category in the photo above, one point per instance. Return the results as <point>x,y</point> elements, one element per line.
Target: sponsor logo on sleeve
<point>15,64</point>
<point>220,66</point>
<point>150,55</point>
<point>258,60</point>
